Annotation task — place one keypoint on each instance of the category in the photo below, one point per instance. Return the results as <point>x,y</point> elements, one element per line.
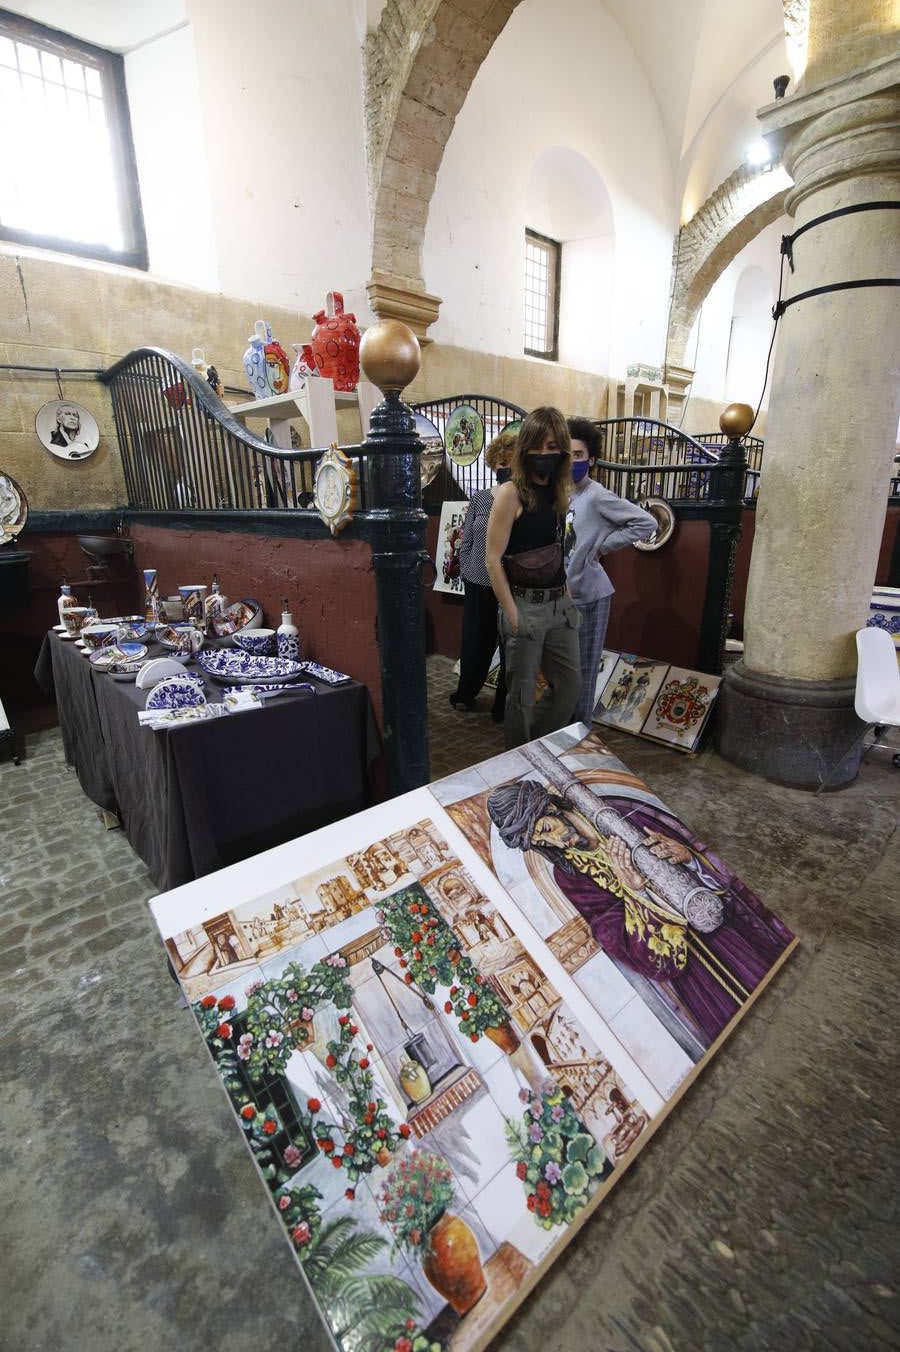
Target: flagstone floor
<point>762,1217</point>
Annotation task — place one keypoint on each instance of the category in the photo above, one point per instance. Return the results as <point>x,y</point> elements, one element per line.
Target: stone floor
<point>762,1215</point>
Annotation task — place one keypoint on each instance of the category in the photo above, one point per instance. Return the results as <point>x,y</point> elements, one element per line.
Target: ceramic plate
<point>464,435</point>
<point>13,508</point>
<point>59,628</point>
<point>67,430</point>
<point>127,671</point>
<point>326,674</point>
<point>511,426</point>
<point>234,667</point>
<point>114,653</point>
<point>176,692</point>
<point>665,517</point>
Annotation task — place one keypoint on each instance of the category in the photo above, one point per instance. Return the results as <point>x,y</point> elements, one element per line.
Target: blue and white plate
<point>234,667</point>
<point>176,692</point>
<point>115,653</point>
<point>326,674</point>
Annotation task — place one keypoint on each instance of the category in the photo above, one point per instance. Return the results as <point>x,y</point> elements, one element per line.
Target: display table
<point>195,798</point>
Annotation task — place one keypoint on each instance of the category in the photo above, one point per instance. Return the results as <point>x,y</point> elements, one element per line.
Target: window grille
<point>542,264</point>
<point>67,173</point>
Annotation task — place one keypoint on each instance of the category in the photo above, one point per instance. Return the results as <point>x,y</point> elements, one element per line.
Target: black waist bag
<point>534,567</point>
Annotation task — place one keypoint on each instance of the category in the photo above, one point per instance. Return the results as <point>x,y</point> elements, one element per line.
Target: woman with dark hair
<point>524,561</point>
<point>479,626</point>
<point>598,522</point>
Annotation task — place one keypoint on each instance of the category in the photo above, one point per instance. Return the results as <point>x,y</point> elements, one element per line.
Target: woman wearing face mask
<point>538,618</point>
<point>479,626</point>
<point>597,523</point>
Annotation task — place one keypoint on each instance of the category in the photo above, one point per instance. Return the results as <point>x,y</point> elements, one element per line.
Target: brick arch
<point>741,207</point>
<point>420,64</point>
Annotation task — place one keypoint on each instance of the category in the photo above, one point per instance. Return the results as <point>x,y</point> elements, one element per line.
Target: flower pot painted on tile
<point>452,1263</point>
<point>504,1036</point>
<point>335,343</point>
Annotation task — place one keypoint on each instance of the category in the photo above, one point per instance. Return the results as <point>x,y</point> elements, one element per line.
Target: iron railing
<point>183,451</point>
<point>660,450</point>
<point>453,482</point>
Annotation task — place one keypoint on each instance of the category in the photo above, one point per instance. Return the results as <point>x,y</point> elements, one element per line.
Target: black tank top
<point>539,527</point>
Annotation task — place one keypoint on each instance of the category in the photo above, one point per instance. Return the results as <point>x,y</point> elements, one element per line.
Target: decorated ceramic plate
<point>67,430</point>
<point>176,692</point>
<point>116,653</point>
<point>234,667</point>
<point>13,508</point>
<point>432,456</point>
<point>511,426</point>
<point>326,674</point>
<point>464,435</point>
<point>665,517</point>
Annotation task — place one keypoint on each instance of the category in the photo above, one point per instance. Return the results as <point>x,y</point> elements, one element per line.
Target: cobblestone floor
<point>761,1217</point>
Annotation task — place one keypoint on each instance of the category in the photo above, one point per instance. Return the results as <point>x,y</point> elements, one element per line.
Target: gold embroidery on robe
<point>662,930</point>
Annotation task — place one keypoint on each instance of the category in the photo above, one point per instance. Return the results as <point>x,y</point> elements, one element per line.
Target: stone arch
<point>742,206</point>
<point>420,64</point>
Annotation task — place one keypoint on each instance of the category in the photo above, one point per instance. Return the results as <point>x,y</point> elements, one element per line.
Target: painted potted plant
<point>558,1161</point>
<point>428,951</point>
<point>414,1202</point>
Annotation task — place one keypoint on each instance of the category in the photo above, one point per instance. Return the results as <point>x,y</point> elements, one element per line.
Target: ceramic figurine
<point>304,366</point>
<point>335,343</point>
<point>288,635</point>
<point>266,363</point>
<point>152,606</point>
<point>205,372</point>
<point>65,600</point>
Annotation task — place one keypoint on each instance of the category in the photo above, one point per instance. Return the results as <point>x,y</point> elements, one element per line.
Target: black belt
<point>537,594</point>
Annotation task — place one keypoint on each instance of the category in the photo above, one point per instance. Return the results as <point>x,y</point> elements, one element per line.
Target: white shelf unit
<point>316,402</point>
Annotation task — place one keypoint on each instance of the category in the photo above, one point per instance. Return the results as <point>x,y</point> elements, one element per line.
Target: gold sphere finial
<point>737,420</point>
<point>390,355</point>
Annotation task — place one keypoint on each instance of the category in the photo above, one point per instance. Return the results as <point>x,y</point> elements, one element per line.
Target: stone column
<point>787,708</point>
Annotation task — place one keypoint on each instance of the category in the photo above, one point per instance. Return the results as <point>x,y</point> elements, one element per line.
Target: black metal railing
<point>455,482</point>
<point>184,451</point>
<point>659,449</point>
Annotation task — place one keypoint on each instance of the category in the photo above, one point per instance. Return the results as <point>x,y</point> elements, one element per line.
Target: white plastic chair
<point>877,700</point>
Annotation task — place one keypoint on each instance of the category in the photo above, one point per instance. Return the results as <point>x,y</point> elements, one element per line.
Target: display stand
<point>316,402</point>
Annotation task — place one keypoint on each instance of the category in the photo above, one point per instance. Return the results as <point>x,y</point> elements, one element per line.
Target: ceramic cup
<point>193,602</point>
<point>188,637</point>
<point>76,617</point>
<point>259,642</point>
<point>97,635</point>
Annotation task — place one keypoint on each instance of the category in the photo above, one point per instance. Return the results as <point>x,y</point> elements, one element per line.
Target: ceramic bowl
<point>116,653</point>
<point>95,636</point>
<point>260,642</point>
<point>238,616</point>
<point>76,617</point>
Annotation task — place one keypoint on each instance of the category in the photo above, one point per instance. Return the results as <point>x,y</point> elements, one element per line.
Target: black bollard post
<point>725,532</point>
<point>397,531</point>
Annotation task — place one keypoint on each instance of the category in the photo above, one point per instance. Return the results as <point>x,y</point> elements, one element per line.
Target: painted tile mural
<point>443,1045</point>
<point>652,699</point>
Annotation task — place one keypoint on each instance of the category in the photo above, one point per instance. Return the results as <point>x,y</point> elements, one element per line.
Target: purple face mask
<point>580,469</point>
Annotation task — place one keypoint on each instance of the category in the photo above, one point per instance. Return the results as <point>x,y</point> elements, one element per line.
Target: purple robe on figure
<point>723,967</point>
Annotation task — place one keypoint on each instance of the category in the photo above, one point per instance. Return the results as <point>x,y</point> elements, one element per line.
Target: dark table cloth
<point>195,798</point>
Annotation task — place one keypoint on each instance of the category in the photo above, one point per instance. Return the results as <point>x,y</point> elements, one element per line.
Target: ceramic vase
<point>215,604</point>
<point>266,363</point>
<point>414,1079</point>
<point>452,1263</point>
<point>335,343</point>
<point>288,635</point>
<point>193,603</point>
<point>304,366</point>
<point>65,601</point>
<point>152,605</point>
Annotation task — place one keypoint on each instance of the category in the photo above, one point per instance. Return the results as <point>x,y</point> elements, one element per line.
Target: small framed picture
<point>67,429</point>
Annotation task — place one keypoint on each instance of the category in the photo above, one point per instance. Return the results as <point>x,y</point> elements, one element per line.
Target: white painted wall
<point>591,99</point>
<point>167,125</point>
<point>730,338</point>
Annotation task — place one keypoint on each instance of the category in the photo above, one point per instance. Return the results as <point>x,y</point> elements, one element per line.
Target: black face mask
<point>503,474</point>
<point>542,465</point>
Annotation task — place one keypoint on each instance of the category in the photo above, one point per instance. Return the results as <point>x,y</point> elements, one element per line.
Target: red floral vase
<point>452,1263</point>
<point>335,343</point>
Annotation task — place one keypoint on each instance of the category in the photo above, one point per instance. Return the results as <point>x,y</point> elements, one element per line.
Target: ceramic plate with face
<point>67,430</point>
<point>432,456</point>
<point>464,435</point>
<point>13,508</point>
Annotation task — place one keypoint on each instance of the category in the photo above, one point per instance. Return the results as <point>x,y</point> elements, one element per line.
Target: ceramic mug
<point>188,637</point>
<point>193,602</point>
<point>259,642</point>
<point>76,617</point>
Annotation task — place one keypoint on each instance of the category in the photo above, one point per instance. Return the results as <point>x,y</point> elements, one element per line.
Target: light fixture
<point>758,152</point>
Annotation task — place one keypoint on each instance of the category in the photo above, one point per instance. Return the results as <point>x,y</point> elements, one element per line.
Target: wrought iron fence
<point>661,451</point>
<point>455,482</point>
<point>183,451</point>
